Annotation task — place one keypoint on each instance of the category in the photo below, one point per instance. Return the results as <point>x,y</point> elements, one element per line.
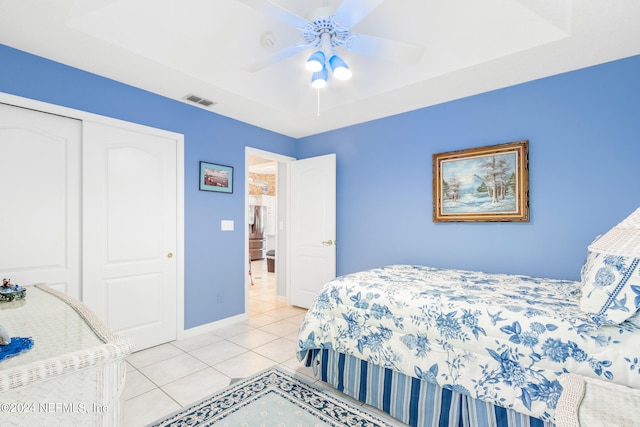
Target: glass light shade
<point>339,68</point>
<point>319,79</point>
<point>315,62</point>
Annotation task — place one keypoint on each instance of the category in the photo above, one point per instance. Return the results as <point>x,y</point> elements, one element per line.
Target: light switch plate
<point>226,225</point>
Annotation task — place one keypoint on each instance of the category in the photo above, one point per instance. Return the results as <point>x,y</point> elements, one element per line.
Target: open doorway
<point>262,223</point>
<point>266,215</point>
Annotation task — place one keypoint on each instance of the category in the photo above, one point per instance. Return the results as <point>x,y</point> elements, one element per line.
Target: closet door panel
<point>130,231</point>
<point>40,196</point>
<point>134,219</point>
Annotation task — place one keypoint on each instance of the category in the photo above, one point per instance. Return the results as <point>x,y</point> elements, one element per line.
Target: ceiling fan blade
<point>384,48</point>
<point>350,12</point>
<point>276,57</point>
<point>276,11</point>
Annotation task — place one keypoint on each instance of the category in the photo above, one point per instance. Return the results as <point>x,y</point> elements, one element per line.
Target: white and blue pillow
<point>610,287</point>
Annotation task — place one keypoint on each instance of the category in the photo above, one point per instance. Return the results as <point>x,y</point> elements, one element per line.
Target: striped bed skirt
<point>414,402</point>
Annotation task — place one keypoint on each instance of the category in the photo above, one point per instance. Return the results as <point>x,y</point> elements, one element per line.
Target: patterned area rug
<point>272,398</point>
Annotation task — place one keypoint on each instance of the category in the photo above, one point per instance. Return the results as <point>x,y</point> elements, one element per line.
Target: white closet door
<point>40,199</point>
<point>129,232</point>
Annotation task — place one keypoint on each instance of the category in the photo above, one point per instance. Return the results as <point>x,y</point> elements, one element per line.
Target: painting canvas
<point>215,177</point>
<point>482,184</point>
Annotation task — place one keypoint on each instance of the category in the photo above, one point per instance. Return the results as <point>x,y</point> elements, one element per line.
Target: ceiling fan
<point>326,29</point>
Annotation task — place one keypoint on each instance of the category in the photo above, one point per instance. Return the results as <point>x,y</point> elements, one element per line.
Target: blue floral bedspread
<point>503,339</point>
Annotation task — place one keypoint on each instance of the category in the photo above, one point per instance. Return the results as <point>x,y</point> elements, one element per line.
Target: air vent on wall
<point>199,100</point>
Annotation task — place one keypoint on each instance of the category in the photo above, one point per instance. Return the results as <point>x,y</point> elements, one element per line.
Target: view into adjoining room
<point>262,217</point>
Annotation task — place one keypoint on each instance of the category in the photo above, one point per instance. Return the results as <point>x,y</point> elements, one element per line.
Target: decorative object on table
<point>484,184</point>
<point>12,346</point>
<point>272,398</point>
<point>15,347</point>
<point>10,291</point>
<point>215,177</point>
<point>5,338</point>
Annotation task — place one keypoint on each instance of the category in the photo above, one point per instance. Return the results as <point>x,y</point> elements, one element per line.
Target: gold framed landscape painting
<point>484,184</point>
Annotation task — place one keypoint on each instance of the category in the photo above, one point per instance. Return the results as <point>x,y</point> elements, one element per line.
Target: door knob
<point>328,242</point>
<point>169,255</point>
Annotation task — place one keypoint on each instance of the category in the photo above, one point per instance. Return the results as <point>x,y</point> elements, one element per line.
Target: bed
<point>451,347</point>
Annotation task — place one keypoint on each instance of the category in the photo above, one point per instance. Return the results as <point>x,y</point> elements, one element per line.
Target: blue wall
<point>584,158</point>
<point>583,129</point>
<point>214,260</point>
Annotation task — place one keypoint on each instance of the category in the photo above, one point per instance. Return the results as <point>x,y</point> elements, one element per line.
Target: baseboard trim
<point>213,326</point>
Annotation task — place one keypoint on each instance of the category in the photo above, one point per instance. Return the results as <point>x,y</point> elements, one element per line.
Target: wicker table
<point>75,372</point>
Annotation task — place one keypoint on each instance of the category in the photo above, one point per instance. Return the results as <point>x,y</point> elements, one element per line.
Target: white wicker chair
<point>588,402</point>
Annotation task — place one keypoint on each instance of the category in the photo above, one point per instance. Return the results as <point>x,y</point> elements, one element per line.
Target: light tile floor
<point>162,379</point>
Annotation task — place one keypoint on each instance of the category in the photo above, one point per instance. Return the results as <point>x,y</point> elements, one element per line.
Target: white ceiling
<point>203,47</point>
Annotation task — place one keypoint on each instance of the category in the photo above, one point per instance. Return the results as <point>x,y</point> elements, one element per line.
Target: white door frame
<point>85,116</point>
<point>283,200</point>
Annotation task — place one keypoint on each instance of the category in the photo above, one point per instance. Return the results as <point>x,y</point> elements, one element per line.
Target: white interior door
<point>40,196</point>
<point>129,232</point>
<point>313,227</point>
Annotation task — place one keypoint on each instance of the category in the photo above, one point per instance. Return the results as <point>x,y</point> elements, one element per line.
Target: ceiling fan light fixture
<point>319,78</point>
<point>315,62</point>
<point>339,68</point>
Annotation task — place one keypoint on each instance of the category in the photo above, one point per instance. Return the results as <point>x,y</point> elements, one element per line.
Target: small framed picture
<point>215,177</point>
<point>484,184</point>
